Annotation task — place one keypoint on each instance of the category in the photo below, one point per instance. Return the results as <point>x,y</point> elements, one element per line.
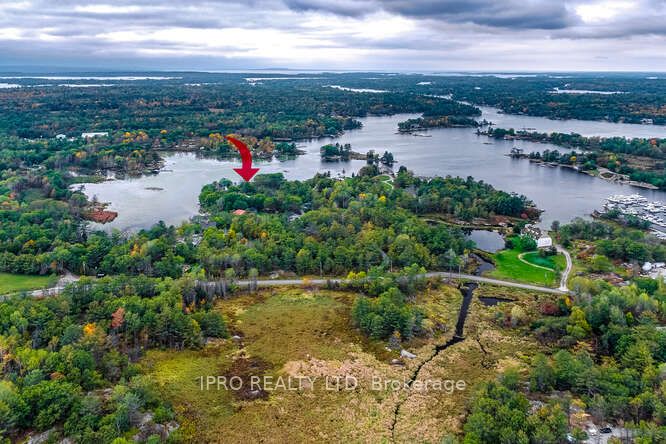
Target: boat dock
<point>639,206</point>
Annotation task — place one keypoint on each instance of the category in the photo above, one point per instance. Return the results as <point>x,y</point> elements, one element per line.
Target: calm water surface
<point>486,240</point>
<point>562,193</point>
<point>582,127</point>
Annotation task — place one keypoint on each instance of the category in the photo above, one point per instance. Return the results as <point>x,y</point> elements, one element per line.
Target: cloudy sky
<point>394,35</point>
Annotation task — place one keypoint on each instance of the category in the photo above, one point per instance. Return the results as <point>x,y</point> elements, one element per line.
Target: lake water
<point>585,91</point>
<point>582,127</point>
<point>486,240</point>
<point>562,193</point>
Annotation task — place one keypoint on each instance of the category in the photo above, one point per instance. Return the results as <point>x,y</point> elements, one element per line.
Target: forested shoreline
<point>640,159</point>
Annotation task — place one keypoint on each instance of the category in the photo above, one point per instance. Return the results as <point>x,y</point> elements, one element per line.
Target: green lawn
<point>508,266</point>
<point>11,283</point>
<point>555,262</point>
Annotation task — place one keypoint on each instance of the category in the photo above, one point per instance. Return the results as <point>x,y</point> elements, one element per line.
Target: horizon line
<point>72,70</point>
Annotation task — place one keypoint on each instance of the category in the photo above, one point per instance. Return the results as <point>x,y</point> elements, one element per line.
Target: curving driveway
<point>567,271</point>
<point>521,258</point>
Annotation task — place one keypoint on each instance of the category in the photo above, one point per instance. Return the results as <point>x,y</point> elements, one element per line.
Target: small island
<point>343,152</point>
<point>336,152</point>
<point>424,123</point>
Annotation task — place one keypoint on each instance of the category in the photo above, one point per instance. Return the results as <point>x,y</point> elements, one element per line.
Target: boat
<point>638,206</point>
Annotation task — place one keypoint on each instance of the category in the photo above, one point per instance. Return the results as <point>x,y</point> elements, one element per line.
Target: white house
<point>91,135</point>
<point>544,242</point>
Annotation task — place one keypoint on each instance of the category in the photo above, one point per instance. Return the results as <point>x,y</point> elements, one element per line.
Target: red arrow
<point>246,172</point>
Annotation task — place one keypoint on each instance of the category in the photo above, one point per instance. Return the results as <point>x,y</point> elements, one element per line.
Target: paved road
<point>280,282</point>
<point>442,274</point>
<point>499,282</point>
<point>567,271</point>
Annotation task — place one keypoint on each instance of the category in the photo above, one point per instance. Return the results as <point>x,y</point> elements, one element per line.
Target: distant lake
<point>359,90</point>
<point>585,91</point>
<point>582,127</point>
<point>172,195</point>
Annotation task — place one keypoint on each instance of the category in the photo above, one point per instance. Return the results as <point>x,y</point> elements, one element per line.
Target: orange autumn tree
<point>118,318</point>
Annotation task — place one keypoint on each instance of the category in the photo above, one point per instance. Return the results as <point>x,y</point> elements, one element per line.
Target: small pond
<point>487,240</point>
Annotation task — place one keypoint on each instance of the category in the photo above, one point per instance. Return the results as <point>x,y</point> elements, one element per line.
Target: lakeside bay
<point>563,194</point>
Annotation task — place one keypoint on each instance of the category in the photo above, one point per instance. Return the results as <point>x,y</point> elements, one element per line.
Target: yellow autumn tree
<point>89,329</point>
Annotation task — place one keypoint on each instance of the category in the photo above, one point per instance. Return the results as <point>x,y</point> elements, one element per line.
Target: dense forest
<point>70,360</point>
<point>131,122</point>
<point>606,358</point>
<point>328,226</point>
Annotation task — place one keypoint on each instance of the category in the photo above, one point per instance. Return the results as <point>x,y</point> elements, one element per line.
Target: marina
<point>635,205</point>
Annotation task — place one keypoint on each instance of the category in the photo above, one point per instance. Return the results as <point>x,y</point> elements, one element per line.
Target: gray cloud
<point>521,14</point>
<point>515,14</point>
<point>359,34</point>
<point>340,7</point>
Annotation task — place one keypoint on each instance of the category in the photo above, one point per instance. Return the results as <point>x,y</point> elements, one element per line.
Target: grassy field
<point>11,283</point>
<point>286,333</point>
<point>301,333</point>
<point>508,266</point>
